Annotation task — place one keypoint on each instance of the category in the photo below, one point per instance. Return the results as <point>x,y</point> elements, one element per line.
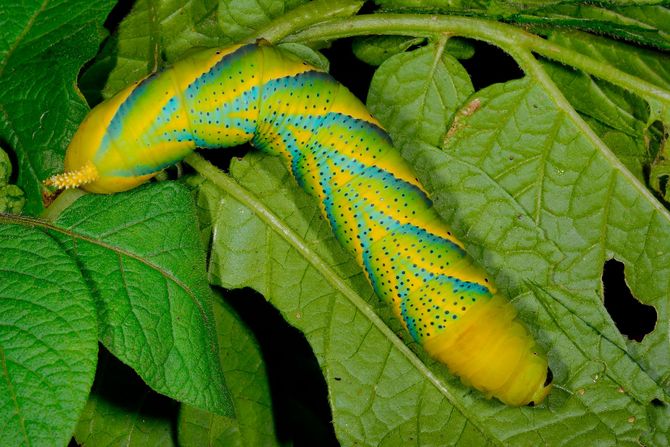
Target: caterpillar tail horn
<point>73,179</point>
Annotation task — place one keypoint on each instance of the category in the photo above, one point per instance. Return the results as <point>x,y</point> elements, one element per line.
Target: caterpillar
<point>341,155</point>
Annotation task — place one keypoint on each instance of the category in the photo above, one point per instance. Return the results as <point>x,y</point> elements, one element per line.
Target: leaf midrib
<point>32,223</point>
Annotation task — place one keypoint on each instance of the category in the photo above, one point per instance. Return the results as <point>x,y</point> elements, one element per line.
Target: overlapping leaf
<point>48,338</point>
<point>144,260</point>
<point>247,380</point>
<point>121,410</point>
<point>551,205</point>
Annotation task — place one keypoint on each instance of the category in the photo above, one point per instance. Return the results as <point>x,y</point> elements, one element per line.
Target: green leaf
<point>42,47</point>
<point>644,24</point>
<point>48,338</point>
<point>247,379</point>
<point>122,410</point>
<point>307,54</point>
<point>550,205</point>
<point>144,260</point>
<point>376,49</point>
<point>11,196</point>
<point>650,65</point>
<point>623,120</point>
<point>153,34</point>
<point>241,18</point>
<point>426,83</point>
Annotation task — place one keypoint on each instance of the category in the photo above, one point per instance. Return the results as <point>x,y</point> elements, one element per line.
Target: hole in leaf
<point>657,403</point>
<point>631,317</point>
<point>657,135</point>
<point>663,184</point>
<point>297,386</point>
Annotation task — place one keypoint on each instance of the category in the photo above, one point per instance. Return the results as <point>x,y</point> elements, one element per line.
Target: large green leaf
<point>43,44</point>
<point>48,338</point>
<point>550,204</point>
<point>145,263</point>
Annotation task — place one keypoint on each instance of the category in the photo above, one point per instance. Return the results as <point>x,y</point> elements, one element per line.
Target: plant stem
<point>507,37</point>
<point>305,16</point>
<point>62,202</point>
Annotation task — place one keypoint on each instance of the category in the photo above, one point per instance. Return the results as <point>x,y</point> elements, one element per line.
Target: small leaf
<point>374,50</point>
<point>241,18</point>
<point>307,54</point>
<point>48,338</point>
<point>143,257</point>
<point>11,196</point>
<point>426,83</point>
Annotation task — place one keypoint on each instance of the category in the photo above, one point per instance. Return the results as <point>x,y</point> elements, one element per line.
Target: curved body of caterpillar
<point>341,155</point>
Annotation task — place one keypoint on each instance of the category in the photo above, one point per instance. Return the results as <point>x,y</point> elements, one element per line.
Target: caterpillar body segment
<point>342,156</point>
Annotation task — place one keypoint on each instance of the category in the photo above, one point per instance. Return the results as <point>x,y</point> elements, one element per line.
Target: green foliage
<point>11,196</point>
<point>121,410</point>
<point>34,95</point>
<point>428,83</point>
<point>48,341</point>
<point>246,374</point>
<point>544,178</point>
<point>140,254</point>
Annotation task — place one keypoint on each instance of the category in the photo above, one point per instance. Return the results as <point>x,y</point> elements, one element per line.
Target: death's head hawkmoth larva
<point>341,155</point>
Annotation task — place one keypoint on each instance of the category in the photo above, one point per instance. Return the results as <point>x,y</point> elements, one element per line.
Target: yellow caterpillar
<point>341,155</point>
